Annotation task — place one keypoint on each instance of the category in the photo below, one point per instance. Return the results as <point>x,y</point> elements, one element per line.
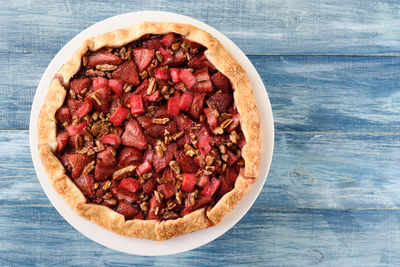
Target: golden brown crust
<point>46,124</point>
<point>150,229</point>
<point>192,222</point>
<point>113,221</point>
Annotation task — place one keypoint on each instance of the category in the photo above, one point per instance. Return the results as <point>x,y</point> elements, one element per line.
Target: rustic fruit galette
<point>151,131</point>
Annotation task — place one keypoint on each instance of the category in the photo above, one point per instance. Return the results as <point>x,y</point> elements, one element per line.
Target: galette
<point>151,131</point>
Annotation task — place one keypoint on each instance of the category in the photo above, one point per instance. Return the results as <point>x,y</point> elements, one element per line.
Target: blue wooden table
<point>332,71</point>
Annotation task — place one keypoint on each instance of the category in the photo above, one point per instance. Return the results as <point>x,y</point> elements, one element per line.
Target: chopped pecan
<point>106,67</point>
<point>121,173</point>
<point>175,166</point>
<point>106,185</point>
<point>89,167</point>
<point>152,86</point>
<point>160,120</point>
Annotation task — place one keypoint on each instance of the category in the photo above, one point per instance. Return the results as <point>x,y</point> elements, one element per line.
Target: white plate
<point>134,245</point>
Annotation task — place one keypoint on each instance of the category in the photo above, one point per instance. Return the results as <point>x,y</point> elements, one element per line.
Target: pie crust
<point>151,229</point>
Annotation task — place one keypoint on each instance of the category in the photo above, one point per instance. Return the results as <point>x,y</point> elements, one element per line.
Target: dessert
<point>151,131</point>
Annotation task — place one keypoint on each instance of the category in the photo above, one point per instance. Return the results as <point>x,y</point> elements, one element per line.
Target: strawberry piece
<point>133,135</point>
<point>79,84</point>
<point>142,88</point>
<point>221,82</point>
<point>137,105</point>
<point>119,115</point>
<point>126,99</point>
<point>174,75</point>
<point>185,101</point>
<point>168,190</point>
<point>191,43</point>
<point>63,115</point>
<point>200,61</point>
<point>168,39</point>
<point>159,164</point>
<point>148,155</point>
<point>166,55</point>
<point>187,78</point>
<point>85,183</point>
<point>188,182</point>
<point>241,140</point>
<point>76,129</point>
<point>85,108</point>
<point>235,123</point>
<point>142,57</point>
<point>212,120</point>
<point>111,139</point>
<point>198,204</point>
<point>102,173</point>
<point>179,58</point>
<point>128,211</point>
<point>221,102</point>
<point>168,176</point>
<point>154,96</point>
<point>157,130</point>
<point>162,112</point>
<point>145,121</point>
<point>182,141</point>
<point>139,216</point>
<point>129,156</point>
<point>116,86</point>
<point>107,158</point>
<point>75,163</point>
<point>149,185</point>
<point>103,57</point>
<point>203,83</point>
<point>102,95</point>
<point>127,72</point>
<point>232,158</point>
<point>153,43</point>
<point>225,186</point>
<point>130,184</point>
<point>231,174</point>
<point>173,105</point>
<point>183,122</point>
<point>73,105</point>
<point>154,205</point>
<point>204,144</point>
<point>197,105</point>
<point>210,189</point>
<point>203,181</point>
<point>143,168</point>
<point>187,164</point>
<point>100,82</point>
<point>161,74</point>
<point>62,140</point>
<point>122,194</point>
<point>220,140</point>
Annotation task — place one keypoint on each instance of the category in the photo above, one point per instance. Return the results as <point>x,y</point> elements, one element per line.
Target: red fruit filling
<point>151,132</point>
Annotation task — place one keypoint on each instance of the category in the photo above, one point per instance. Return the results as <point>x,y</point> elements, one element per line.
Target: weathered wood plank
<point>314,93</point>
<point>39,236</point>
<point>258,27</point>
<point>309,170</point>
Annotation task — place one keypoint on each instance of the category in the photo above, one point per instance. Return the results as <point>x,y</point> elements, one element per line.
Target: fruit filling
<point>150,129</point>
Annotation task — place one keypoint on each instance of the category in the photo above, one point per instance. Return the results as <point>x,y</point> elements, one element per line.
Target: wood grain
<point>264,237</point>
<point>308,93</point>
<point>258,27</point>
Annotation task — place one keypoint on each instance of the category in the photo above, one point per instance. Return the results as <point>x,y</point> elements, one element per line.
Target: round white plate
<point>134,245</point>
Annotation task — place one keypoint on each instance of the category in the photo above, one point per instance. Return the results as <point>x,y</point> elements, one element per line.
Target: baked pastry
<point>151,131</point>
